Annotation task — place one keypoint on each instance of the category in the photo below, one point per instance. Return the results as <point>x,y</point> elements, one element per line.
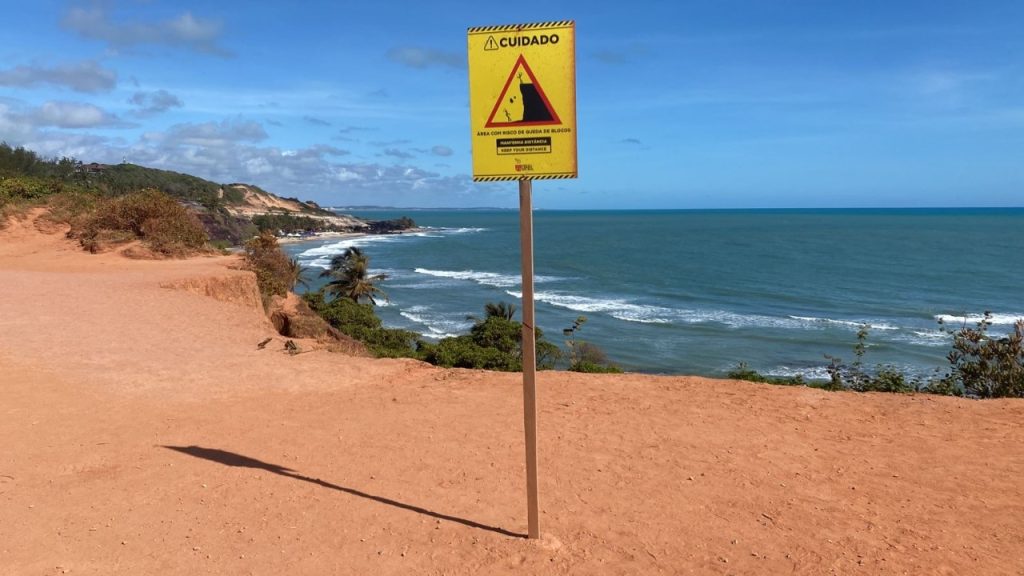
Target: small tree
<point>586,356</point>
<point>886,378</point>
<point>350,277</point>
<point>570,333</point>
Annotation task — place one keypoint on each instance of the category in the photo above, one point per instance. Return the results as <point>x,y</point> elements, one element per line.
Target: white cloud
<point>17,120</point>
<point>185,31</point>
<point>397,153</point>
<point>85,76</point>
<point>150,103</point>
<point>213,134</point>
<point>426,57</point>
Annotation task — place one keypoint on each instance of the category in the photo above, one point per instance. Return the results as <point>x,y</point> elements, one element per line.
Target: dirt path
<point>143,432</point>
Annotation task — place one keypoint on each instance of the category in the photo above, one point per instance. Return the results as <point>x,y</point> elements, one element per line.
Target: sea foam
<point>437,325</point>
<point>616,308</point>
<point>871,324</point>
<point>972,319</point>
<point>484,278</point>
<point>320,256</point>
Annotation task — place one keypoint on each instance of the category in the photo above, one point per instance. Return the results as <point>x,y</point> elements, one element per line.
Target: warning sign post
<point>522,86</point>
<point>522,106</point>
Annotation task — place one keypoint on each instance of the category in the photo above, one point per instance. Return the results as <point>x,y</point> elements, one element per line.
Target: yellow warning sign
<point>522,101</point>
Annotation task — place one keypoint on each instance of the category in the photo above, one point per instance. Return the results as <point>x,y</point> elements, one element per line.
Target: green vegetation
<point>743,372</point>
<point>987,367</point>
<point>358,321</point>
<point>22,162</point>
<point>885,378</point>
<point>117,179</point>
<point>391,226</point>
<point>276,273</point>
<point>493,343</point>
<point>981,366</point>
<point>26,179</point>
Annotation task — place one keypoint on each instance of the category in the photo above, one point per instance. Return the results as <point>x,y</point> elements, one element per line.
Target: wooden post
<point>529,356</point>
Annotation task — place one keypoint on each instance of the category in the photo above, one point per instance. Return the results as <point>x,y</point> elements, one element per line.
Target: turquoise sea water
<point>695,292</point>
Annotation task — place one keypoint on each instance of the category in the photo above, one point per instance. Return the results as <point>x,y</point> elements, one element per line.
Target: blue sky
<point>682,104</point>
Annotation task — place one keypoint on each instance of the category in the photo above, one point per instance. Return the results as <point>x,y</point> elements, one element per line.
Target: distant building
<point>93,168</point>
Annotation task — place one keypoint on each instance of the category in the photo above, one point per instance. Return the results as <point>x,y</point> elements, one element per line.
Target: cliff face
<point>247,201</point>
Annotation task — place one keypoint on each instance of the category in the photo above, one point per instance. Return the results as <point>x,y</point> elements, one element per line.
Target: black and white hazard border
<point>530,177</point>
<point>514,27</point>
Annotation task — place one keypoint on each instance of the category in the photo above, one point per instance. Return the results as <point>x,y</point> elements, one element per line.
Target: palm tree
<point>494,310</point>
<point>294,272</point>
<point>350,278</point>
<point>500,310</point>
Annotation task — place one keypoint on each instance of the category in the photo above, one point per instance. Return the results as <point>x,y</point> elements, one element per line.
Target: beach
<point>145,432</point>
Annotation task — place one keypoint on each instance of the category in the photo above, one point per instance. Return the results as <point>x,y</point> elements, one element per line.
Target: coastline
<point>147,433</point>
<point>321,236</point>
<point>318,236</point>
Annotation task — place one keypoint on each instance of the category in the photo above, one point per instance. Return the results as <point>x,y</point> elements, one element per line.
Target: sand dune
<point>143,432</point>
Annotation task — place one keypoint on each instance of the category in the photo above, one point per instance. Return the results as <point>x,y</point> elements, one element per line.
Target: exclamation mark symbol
<point>491,44</point>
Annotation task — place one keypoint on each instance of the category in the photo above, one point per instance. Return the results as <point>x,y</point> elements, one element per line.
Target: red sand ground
<point>143,432</point>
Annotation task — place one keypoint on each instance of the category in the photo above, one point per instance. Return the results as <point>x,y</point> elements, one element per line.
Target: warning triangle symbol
<point>491,44</point>
<point>522,101</point>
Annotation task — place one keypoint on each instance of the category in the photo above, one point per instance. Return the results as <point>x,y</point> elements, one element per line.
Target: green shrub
<point>885,378</point>
<point>595,368</point>
<point>22,188</point>
<point>358,321</point>
<point>590,357</point>
<point>493,343</point>
<point>586,356</point>
<point>289,223</point>
<point>120,179</point>
<point>743,372</point>
<point>464,352</point>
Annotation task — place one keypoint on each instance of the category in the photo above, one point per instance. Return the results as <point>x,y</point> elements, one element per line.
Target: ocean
<point>698,291</point>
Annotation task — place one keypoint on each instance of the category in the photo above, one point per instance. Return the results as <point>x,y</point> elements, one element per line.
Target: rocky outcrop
<point>395,226</point>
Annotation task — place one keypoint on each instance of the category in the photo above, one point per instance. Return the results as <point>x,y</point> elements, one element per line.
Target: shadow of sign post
<point>238,460</point>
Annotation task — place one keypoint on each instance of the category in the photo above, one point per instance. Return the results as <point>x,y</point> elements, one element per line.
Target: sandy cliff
<point>256,202</point>
<point>144,432</point>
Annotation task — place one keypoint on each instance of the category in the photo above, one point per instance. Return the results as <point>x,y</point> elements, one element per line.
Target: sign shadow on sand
<point>231,459</point>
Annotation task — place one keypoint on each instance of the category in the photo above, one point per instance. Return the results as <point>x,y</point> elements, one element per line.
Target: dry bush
<point>150,215</point>
<point>276,273</point>
<point>72,208</point>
